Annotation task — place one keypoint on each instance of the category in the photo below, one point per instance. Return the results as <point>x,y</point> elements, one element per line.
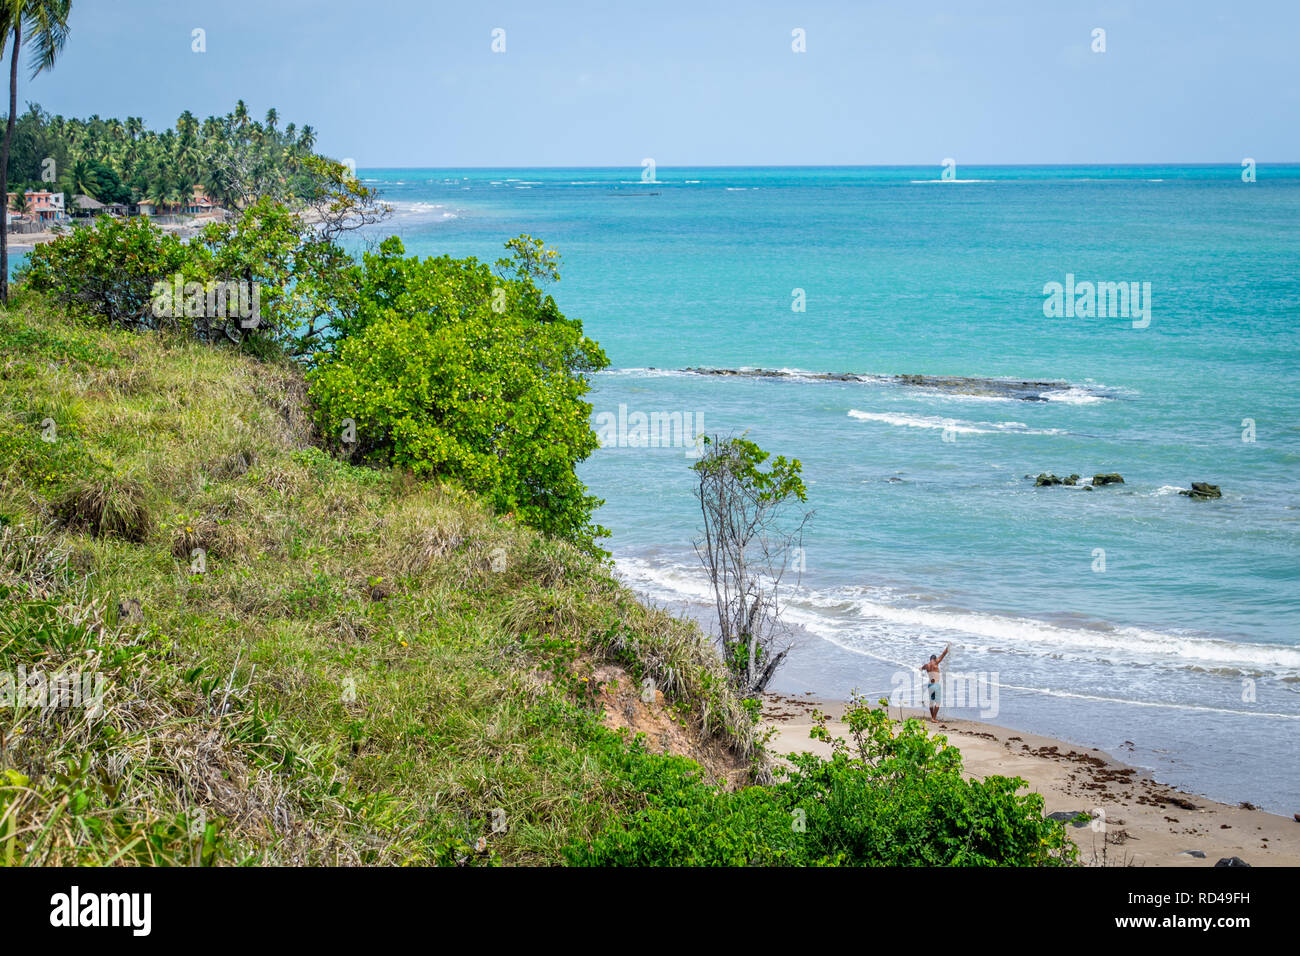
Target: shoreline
<point>1171,752</point>
<point>27,241</point>
<point>1147,823</point>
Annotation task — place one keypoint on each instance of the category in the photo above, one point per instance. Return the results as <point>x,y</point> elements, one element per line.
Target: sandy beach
<point>1146,823</point>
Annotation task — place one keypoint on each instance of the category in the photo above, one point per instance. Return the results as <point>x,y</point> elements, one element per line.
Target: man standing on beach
<point>935,690</point>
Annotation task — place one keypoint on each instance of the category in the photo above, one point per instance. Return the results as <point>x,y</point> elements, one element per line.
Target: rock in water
<point>1044,480</point>
<point>1110,478</point>
<point>1202,490</point>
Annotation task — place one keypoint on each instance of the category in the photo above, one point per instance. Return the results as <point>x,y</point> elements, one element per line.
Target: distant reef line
<point>1020,389</point>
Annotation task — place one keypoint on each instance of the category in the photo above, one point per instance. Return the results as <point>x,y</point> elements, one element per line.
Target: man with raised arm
<point>935,691</point>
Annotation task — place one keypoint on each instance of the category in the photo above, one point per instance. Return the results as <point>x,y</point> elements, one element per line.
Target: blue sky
<point>415,82</point>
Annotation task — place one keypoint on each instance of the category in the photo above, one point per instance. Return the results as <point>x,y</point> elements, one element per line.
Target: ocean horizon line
<point>1207,164</point>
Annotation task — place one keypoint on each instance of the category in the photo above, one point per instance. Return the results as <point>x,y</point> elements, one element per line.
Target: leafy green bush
<point>451,370</point>
<point>304,279</point>
<point>109,269</point>
<point>897,797</point>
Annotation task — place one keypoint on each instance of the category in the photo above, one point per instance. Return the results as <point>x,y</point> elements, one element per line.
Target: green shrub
<point>109,269</point>
<point>895,798</point>
<point>304,279</point>
<point>452,371</point>
<point>292,281</point>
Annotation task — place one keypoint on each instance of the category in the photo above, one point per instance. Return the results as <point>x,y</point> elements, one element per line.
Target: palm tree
<point>46,23</point>
<point>176,193</point>
<point>84,179</point>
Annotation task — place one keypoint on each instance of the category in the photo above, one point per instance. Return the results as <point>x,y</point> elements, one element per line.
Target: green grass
<point>304,662</point>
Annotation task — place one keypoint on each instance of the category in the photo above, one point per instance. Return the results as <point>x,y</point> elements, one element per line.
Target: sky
<point>608,83</point>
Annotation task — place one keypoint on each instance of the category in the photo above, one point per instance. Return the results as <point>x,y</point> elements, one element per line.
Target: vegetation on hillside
<point>304,661</point>
<point>441,366</point>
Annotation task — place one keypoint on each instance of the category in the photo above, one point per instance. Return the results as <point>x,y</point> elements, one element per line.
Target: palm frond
<point>46,23</point>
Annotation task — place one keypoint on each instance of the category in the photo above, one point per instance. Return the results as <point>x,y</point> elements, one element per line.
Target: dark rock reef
<point>1021,389</point>
<point>1046,480</point>
<point>1200,490</point>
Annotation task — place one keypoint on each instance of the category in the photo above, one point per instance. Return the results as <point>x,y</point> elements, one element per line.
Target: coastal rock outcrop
<point>1202,490</point>
<point>1046,480</point>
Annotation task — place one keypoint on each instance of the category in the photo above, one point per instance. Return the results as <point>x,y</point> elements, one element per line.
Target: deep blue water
<point>1183,654</point>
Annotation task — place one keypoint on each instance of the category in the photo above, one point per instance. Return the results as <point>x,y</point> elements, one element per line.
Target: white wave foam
<point>671,581</point>
<point>954,425</point>
<point>1074,396</point>
<point>845,615</point>
<point>404,209</point>
<point>1018,633</point>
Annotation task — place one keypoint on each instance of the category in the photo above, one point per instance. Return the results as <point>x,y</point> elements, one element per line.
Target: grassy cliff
<point>303,661</point>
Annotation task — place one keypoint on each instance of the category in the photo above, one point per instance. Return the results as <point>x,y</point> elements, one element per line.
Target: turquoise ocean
<point>1160,629</point>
